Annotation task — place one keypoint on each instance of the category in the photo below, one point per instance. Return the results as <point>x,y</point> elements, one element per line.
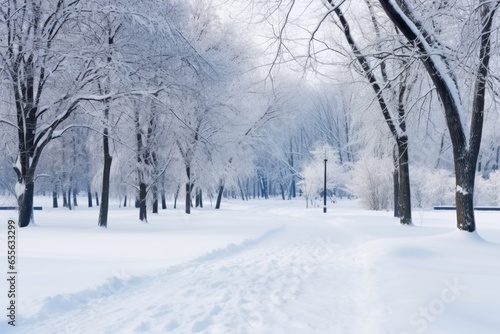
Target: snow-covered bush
<point>431,187</point>
<point>371,181</point>
<point>487,191</point>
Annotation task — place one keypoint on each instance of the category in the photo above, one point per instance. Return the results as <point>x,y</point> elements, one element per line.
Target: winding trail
<point>300,278</point>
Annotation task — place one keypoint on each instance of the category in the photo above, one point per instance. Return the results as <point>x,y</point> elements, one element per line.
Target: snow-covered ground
<point>255,267</point>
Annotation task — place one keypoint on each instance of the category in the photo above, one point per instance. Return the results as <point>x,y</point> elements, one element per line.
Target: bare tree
<point>436,60</point>
<point>32,58</point>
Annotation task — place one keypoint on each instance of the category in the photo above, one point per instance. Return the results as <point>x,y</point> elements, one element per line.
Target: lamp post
<point>324,190</point>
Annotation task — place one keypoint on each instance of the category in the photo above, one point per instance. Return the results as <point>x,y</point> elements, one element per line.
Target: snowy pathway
<point>295,279</point>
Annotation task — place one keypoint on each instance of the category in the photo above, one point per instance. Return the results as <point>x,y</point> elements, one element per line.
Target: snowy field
<point>255,267</point>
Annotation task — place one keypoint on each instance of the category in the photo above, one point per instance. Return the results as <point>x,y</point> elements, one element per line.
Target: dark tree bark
<point>163,200</point>
<point>75,198</point>
<point>176,195</point>
<point>199,198</point>
<point>96,199</point>
<point>25,202</point>
<point>155,198</point>
<point>65,199</point>
<point>69,199</point>
<point>263,186</point>
<point>404,182</point>
<point>55,203</point>
<point>143,214</point>
<point>219,196</point>
<point>188,190</point>
<point>125,201</point>
<point>104,207</point>
<point>141,201</point>
<point>89,195</point>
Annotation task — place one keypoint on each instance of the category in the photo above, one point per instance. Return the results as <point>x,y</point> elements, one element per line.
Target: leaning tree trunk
<point>219,196</point>
<point>176,195</point>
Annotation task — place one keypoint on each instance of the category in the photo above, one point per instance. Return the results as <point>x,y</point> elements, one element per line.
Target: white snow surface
<point>255,267</point>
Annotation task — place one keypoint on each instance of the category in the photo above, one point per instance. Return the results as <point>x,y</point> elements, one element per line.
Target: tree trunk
<point>219,196</point>
<point>292,193</point>
<point>188,198</point>
<point>125,201</point>
<point>75,199</point>
<point>264,191</point>
<point>155,199</point>
<point>395,178</point>
<point>55,204</point>
<point>247,190</point>
<point>103,209</point>
<point>404,182</point>
<point>65,199</point>
<point>242,193</point>
<point>464,196</point>
<point>89,196</point>
<point>188,191</point>
<point>25,203</point>
<point>176,195</point>
<point>69,199</point>
<point>143,215</point>
<point>96,199</point>
<point>197,198</point>
<point>163,200</point>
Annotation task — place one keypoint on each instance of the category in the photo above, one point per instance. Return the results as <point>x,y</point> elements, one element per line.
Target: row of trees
<point>392,44</point>
<point>166,98</point>
<point>153,86</point>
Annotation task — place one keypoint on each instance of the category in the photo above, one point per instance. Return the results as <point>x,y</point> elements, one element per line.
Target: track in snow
<point>302,278</point>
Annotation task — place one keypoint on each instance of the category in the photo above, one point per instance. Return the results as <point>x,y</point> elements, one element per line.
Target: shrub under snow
<point>371,181</point>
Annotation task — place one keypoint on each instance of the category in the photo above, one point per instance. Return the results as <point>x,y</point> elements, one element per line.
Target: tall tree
<point>438,62</point>
<point>34,56</point>
<point>393,107</point>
